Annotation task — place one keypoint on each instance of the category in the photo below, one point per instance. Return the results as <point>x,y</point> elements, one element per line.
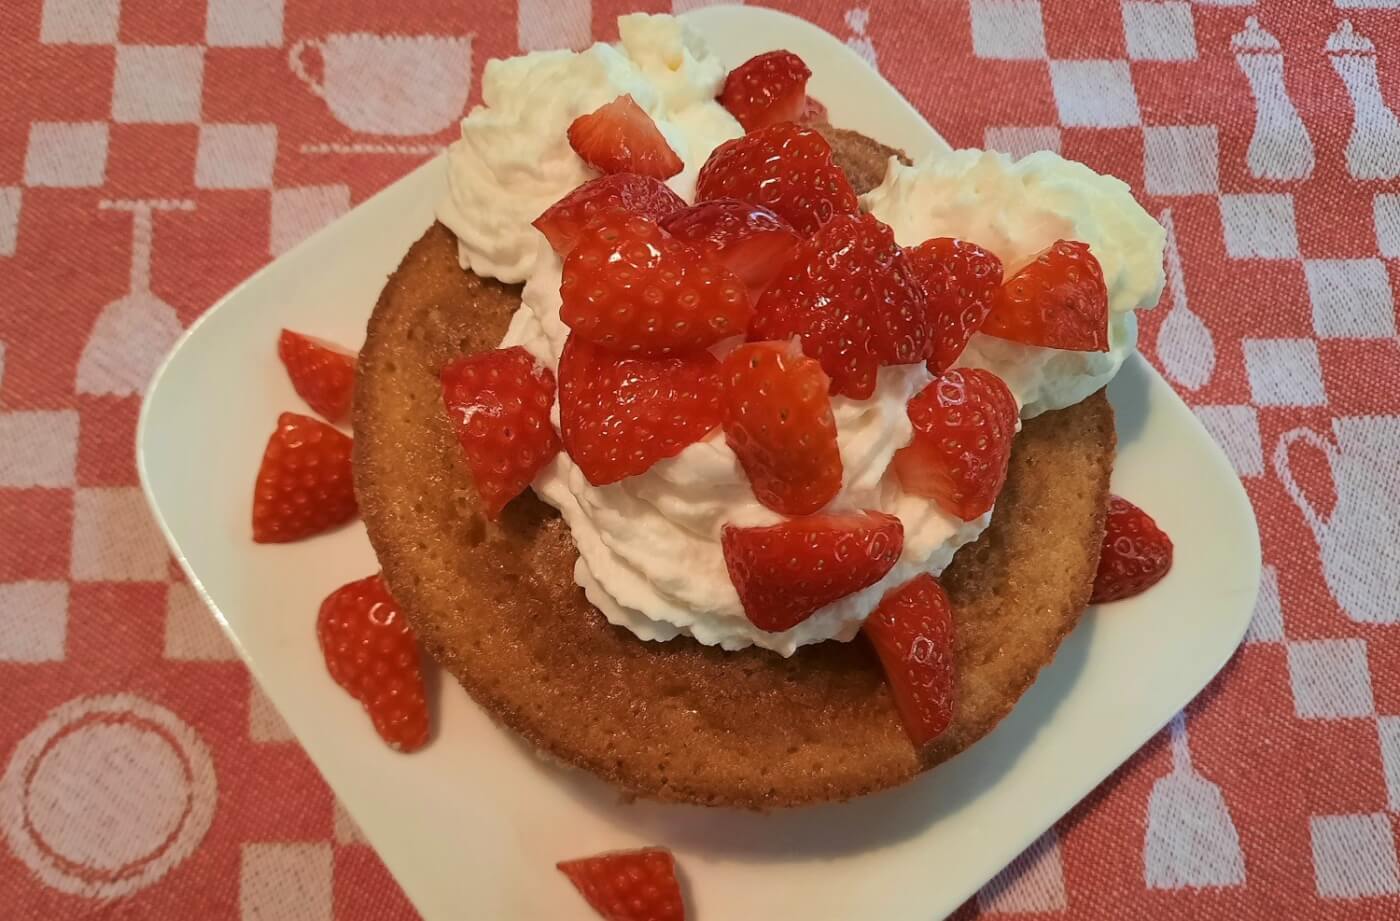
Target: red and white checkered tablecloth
<point>152,154</point>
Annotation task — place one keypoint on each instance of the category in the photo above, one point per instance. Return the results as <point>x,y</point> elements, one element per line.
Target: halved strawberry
<point>1058,301</point>
<point>322,374</point>
<point>620,137</point>
<point>960,279</point>
<point>621,415</point>
<point>562,222</point>
<point>749,240</point>
<point>766,89</point>
<point>849,294</point>
<point>785,168</point>
<point>371,652</point>
<point>963,425</point>
<point>786,572</point>
<point>636,885</point>
<point>1136,553</point>
<point>912,632</point>
<point>630,287</point>
<point>304,485</point>
<point>778,421</point>
<point>498,403</point>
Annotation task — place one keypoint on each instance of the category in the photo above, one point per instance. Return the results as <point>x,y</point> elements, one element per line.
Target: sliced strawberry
<point>786,572</point>
<point>785,168</point>
<point>304,485</point>
<point>815,113</point>
<point>629,885</point>
<point>849,294</point>
<point>621,415</point>
<point>562,222</point>
<point>963,425</point>
<point>1136,553</point>
<point>912,632</point>
<point>620,137</point>
<point>777,418</point>
<point>498,403</point>
<point>1058,301</point>
<point>632,288</point>
<point>960,279</point>
<point>767,89</point>
<point>370,652</point>
<point>748,240</point>
<point>322,374</point>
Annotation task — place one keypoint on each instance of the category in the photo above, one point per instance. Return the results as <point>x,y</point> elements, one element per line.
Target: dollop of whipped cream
<point>514,160</point>
<point>1015,209</point>
<point>649,546</point>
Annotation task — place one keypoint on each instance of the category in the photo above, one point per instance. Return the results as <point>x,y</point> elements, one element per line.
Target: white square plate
<point>472,825</point>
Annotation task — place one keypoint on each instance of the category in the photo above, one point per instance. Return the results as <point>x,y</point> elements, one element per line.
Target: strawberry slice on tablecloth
<point>912,632</point>
<point>785,572</point>
<point>562,223</point>
<point>620,137</point>
<point>499,403</point>
<point>632,288</point>
<point>1058,301</point>
<point>621,415</point>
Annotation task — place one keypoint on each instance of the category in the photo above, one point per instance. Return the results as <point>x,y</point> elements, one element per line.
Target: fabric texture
<point>153,154</point>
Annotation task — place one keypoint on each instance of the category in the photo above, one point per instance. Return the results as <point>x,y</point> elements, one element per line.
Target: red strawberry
<point>960,280</point>
<point>371,653</point>
<point>785,572</point>
<point>1136,553</point>
<point>912,632</point>
<point>562,222</point>
<point>498,403</point>
<point>1058,301</point>
<point>322,374</point>
<point>777,418</point>
<point>785,168</point>
<point>963,425</point>
<point>629,885</point>
<point>621,415</point>
<point>750,241</point>
<point>620,137</point>
<point>767,89</point>
<point>304,484</point>
<point>849,294</point>
<point>632,288</point>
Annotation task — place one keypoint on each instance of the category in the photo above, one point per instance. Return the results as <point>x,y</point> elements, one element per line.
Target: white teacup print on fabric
<point>1360,540</point>
<point>401,85</point>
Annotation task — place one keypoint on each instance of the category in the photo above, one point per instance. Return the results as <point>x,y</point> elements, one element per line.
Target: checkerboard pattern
<point>154,154</point>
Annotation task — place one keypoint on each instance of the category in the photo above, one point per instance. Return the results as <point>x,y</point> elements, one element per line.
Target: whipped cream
<point>649,548</point>
<point>1015,209</point>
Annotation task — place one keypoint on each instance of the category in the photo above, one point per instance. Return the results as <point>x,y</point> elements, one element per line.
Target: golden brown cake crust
<point>496,603</point>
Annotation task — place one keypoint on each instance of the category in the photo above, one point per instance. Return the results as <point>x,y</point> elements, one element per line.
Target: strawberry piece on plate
<point>562,222</point>
<point>322,374</point>
<point>620,137</point>
<point>912,632</point>
<point>370,652</point>
<point>960,280</point>
<point>963,425</point>
<point>850,295</point>
<point>636,885</point>
<point>1136,553</point>
<point>1058,301</point>
<point>778,421</point>
<point>621,415</point>
<point>766,89</point>
<point>748,240</point>
<point>786,572</point>
<point>786,169</point>
<point>304,485</point>
<point>498,403</point>
<point>629,286</point>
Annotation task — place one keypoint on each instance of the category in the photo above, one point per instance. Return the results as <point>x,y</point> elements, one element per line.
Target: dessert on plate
<point>718,450</point>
